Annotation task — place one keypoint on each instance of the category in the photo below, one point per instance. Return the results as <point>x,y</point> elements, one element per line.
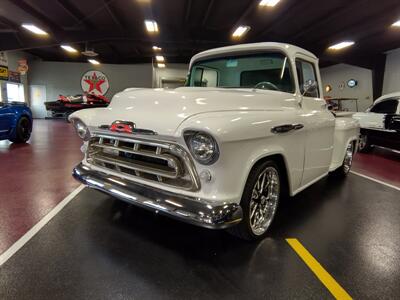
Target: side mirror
<point>309,87</point>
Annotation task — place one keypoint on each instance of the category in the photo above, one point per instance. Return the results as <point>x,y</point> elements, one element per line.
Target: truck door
<point>319,123</point>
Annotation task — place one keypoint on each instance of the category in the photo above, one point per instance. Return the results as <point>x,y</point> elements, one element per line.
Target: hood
<point>164,110</point>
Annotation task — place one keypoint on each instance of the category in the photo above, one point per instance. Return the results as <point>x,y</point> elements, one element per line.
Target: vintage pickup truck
<point>249,128</point>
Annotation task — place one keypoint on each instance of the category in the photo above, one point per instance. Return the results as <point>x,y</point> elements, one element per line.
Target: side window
<point>205,77</point>
<point>306,72</point>
<point>385,107</point>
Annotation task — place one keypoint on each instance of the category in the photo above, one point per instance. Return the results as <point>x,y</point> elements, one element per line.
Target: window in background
<point>15,92</point>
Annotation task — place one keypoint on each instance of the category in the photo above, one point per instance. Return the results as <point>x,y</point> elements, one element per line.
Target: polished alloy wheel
<point>362,143</point>
<point>348,158</point>
<point>264,200</point>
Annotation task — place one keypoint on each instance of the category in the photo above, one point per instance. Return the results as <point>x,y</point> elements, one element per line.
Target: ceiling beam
<point>115,19</point>
<point>208,11</point>
<point>74,12</point>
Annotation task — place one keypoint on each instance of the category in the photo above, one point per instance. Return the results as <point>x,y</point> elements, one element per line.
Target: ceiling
<point>115,28</point>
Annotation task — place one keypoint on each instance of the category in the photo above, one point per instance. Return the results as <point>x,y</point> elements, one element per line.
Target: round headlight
<point>81,129</point>
<point>203,148</point>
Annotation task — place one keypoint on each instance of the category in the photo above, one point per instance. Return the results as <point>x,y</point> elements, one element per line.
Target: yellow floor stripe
<point>330,283</point>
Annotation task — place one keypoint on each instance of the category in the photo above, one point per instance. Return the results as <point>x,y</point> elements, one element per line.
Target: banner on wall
<point>3,73</point>
<point>95,82</point>
<point>14,76</point>
<point>22,66</point>
<point>3,59</point>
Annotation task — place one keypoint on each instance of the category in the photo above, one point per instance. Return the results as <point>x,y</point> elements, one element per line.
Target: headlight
<point>81,129</point>
<point>203,147</point>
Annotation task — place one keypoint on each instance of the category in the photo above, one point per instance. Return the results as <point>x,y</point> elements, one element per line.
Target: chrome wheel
<point>264,200</point>
<point>348,158</point>
<point>362,143</point>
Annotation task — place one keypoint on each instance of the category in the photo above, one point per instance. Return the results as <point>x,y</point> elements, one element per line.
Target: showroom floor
<point>97,247</point>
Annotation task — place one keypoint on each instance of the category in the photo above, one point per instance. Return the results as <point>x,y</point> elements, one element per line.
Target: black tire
<point>345,168</point>
<point>364,146</point>
<point>23,130</point>
<point>244,229</point>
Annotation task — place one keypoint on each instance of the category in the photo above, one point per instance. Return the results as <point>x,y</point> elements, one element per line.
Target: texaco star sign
<point>95,82</point>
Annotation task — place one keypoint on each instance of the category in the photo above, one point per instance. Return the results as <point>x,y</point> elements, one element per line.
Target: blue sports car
<point>15,122</point>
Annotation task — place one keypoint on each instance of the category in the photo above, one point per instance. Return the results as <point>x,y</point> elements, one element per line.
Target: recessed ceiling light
<point>341,45</point>
<point>240,31</point>
<point>160,58</point>
<point>34,29</point>
<point>270,3</point>
<point>155,48</point>
<point>161,65</point>
<point>151,26</point>
<point>396,24</point>
<point>69,48</point>
<point>93,61</point>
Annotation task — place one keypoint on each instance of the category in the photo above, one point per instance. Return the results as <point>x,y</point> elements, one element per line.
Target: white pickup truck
<point>249,128</point>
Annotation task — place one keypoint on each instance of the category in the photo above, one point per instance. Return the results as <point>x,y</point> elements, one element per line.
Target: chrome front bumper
<point>187,209</point>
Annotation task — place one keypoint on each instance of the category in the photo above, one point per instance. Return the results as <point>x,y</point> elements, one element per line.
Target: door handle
<point>286,128</point>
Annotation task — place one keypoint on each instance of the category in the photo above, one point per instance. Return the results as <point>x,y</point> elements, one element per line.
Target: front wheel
<point>22,131</point>
<point>259,202</point>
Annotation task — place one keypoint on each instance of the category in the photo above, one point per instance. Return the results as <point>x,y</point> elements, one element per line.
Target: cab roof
<point>290,50</point>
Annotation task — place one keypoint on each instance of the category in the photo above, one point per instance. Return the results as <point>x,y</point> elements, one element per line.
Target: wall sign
<point>95,82</point>
<point>14,76</point>
<point>22,66</point>
<point>3,59</point>
<point>3,73</point>
<point>352,83</point>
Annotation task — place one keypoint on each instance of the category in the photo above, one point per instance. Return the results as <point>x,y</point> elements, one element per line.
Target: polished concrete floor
<point>99,248</point>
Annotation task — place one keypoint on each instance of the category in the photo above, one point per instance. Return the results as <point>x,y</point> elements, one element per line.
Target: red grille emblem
<point>123,126</point>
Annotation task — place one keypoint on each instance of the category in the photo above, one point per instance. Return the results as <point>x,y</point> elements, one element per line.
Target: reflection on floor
<point>35,177</point>
<point>382,164</point>
<point>100,248</point>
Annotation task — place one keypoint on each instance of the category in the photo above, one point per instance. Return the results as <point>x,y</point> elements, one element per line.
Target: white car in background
<point>380,124</point>
<point>249,128</point>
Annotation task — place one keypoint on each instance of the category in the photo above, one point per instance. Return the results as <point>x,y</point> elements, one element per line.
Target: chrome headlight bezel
<point>202,146</point>
<point>81,129</point>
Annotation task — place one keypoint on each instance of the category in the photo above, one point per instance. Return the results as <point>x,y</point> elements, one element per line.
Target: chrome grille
<point>161,162</point>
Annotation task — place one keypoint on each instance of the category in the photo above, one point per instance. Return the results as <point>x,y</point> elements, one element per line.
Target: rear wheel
<point>23,131</point>
<point>363,144</point>
<point>259,201</point>
<point>345,168</point>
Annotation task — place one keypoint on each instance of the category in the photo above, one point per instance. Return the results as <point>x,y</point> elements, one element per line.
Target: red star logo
<point>95,83</point>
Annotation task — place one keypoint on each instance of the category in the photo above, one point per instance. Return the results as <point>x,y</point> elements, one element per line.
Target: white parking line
<point>35,229</point>
<point>376,180</point>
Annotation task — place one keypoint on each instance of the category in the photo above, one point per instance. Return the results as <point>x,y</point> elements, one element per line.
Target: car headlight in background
<point>203,147</point>
<point>81,129</point>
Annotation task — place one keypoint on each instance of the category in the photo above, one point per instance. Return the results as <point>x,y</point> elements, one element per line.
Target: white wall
<point>337,74</point>
<point>391,82</point>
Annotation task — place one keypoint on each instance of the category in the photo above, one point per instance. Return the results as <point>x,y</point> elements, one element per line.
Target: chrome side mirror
<point>309,87</point>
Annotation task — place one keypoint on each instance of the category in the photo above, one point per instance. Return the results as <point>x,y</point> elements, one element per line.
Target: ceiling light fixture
<point>155,48</point>
<point>341,45</point>
<point>93,61</point>
<point>240,31</point>
<point>161,65</point>
<point>151,26</point>
<point>396,24</point>
<point>160,58</point>
<point>69,48</point>
<point>269,3</point>
<point>34,29</point>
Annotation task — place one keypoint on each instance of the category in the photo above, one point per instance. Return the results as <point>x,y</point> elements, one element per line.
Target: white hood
<point>164,110</point>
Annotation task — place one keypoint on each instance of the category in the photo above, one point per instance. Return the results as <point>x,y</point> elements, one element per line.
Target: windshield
<point>270,71</point>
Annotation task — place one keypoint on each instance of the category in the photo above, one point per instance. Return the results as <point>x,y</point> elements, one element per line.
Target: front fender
<point>244,138</point>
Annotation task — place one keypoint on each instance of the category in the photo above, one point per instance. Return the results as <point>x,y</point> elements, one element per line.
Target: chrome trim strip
<point>191,210</point>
